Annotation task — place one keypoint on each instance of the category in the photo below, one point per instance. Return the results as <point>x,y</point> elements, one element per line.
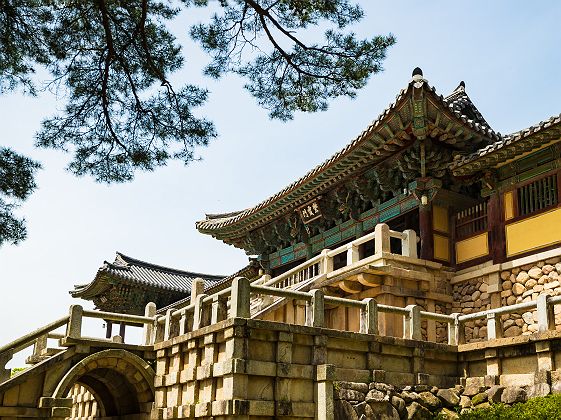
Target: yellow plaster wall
<point>533,233</point>
<point>440,219</point>
<point>441,247</point>
<point>509,205</point>
<point>471,248</point>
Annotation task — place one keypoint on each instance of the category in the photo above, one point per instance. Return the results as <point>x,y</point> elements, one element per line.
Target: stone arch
<point>121,382</point>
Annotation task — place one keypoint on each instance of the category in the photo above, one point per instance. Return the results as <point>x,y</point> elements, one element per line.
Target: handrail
<point>26,340</point>
<point>73,323</point>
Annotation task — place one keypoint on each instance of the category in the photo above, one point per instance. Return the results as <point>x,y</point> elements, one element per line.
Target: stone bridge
<point>84,378</point>
<point>267,349</point>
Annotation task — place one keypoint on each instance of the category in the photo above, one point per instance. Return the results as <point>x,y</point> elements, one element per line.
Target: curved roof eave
<point>510,146</point>
<point>229,225</point>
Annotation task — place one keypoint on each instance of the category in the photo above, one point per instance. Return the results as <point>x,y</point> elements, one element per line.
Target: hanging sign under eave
<point>310,211</point>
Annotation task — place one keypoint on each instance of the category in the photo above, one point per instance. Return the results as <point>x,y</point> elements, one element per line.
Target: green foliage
<point>542,408</point>
<point>16,183</point>
<point>111,60</point>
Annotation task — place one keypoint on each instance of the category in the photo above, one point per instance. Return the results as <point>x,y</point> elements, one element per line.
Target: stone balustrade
<point>73,330</point>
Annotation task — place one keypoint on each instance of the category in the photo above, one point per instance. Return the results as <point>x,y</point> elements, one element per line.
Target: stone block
<point>449,397</point>
<point>416,411</point>
<point>513,394</point>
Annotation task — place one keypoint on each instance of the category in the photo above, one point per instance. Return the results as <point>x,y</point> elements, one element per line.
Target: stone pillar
<point>382,238</point>
<point>316,309</point>
<point>369,317</point>
<point>148,331</point>
<point>325,375</point>
<point>412,323</point>
<point>240,300</point>
<point>74,327</point>
<point>493,366</point>
<point>197,288</point>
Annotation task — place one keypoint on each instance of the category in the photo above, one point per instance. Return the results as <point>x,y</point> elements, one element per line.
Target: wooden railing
<point>472,220</point>
<point>537,195</point>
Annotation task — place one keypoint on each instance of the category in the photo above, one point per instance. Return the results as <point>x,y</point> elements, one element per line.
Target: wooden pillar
<point>122,331</point>
<point>425,227</point>
<point>495,220</point>
<point>109,330</point>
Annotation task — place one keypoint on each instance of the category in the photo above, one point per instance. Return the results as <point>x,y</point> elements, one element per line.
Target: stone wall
<point>472,296</point>
<point>524,284</point>
<point>263,369</point>
<point>372,401</point>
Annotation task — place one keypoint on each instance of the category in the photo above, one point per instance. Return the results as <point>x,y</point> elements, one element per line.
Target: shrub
<point>541,408</point>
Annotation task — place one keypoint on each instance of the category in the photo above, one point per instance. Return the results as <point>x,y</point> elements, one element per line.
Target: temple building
<point>429,164</point>
<point>462,205</point>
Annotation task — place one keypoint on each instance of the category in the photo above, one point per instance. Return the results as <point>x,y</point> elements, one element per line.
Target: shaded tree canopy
<point>113,60</point>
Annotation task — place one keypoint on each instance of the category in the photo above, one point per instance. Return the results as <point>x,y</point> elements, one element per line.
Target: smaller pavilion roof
<point>137,272</point>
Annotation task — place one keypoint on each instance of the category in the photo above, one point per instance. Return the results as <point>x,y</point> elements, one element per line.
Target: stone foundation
<point>356,401</point>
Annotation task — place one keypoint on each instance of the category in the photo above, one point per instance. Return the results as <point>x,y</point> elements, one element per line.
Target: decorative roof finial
<point>463,84</point>
<point>417,75</point>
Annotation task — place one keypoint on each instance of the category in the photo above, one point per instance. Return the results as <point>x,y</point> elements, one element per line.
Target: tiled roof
<point>131,270</point>
<point>350,158</point>
<point>506,146</point>
<point>250,271</point>
<point>460,103</point>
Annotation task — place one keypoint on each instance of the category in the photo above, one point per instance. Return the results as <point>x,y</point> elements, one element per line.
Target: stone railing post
<point>315,309</point>
<point>412,323</point>
<point>199,312</point>
<point>148,330</point>
<point>326,265</point>
<point>168,325</point>
<point>494,326</point>
<point>409,243</point>
<point>546,317</point>
<point>353,254</point>
<point>369,316</point>
<point>455,331</point>
<point>197,288</point>
<point>382,238</point>
<point>159,329</point>
<point>74,327</point>
<point>40,346</point>
<point>219,311</point>
<point>239,302</point>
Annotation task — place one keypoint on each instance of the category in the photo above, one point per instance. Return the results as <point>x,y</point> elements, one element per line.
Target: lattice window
<point>471,221</point>
<point>537,195</point>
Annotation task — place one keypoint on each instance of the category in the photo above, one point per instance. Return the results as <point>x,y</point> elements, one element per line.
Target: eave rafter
<point>418,112</point>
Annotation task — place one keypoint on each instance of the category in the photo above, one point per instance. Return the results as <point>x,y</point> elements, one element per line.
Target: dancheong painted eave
<point>452,119</point>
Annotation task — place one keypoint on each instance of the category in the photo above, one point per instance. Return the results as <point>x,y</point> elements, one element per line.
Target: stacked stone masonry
<point>469,297</point>
<point>362,401</point>
<point>524,284</point>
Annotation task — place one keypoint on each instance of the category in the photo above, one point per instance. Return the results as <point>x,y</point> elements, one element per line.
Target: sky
<point>507,52</point>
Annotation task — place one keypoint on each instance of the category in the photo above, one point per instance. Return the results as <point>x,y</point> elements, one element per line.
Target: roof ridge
<point>209,224</point>
<point>135,261</point>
